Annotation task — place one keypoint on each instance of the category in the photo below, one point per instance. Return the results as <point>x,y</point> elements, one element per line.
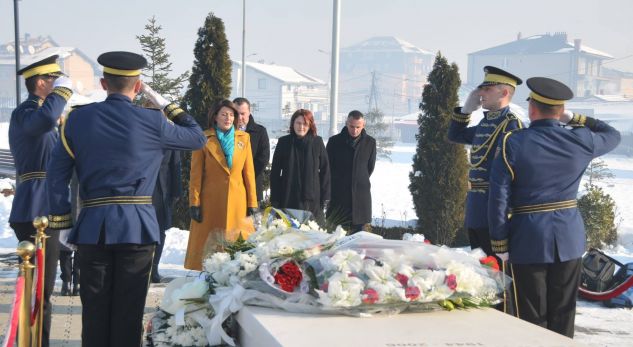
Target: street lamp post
<point>336,21</point>
<point>17,51</point>
<point>243,48</point>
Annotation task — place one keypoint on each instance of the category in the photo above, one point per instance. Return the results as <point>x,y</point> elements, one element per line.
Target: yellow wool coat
<point>223,195</point>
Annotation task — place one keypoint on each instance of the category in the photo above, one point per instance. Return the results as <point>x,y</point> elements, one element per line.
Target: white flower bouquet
<point>302,268</point>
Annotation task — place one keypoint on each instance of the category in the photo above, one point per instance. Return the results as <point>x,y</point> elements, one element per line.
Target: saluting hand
<point>473,102</point>
<point>566,117</point>
<point>64,82</point>
<point>153,96</point>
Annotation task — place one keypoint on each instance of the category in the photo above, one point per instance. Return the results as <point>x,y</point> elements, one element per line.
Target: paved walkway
<point>66,324</point>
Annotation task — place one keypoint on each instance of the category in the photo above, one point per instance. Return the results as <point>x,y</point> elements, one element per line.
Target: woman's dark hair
<point>309,118</point>
<point>213,112</point>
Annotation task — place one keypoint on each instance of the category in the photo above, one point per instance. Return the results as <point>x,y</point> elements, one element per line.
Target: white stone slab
<point>263,327</point>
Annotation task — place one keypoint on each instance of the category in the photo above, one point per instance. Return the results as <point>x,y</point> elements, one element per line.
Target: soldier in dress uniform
<point>116,149</point>
<point>535,178</point>
<point>32,136</point>
<point>493,94</point>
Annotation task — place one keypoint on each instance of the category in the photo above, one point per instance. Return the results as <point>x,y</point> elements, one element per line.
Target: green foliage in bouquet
<point>240,245</point>
<point>438,181</point>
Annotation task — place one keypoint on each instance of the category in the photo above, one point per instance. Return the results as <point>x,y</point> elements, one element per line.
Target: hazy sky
<point>290,32</point>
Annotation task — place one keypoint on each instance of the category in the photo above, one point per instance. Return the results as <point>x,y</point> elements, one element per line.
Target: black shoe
<point>75,289</point>
<point>156,278</point>
<point>65,289</point>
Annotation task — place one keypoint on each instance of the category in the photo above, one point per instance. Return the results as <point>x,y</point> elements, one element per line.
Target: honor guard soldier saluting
<point>32,136</point>
<point>493,94</point>
<point>535,178</point>
<point>116,149</point>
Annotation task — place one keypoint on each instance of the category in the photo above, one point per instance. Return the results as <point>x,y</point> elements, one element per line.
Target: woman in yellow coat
<point>221,186</point>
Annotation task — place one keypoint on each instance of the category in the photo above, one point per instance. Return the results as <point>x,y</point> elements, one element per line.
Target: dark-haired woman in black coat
<point>300,174</point>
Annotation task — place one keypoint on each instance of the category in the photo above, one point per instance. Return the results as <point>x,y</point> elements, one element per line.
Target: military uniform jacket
<point>484,138</point>
<point>116,149</point>
<point>32,136</point>
<point>536,176</point>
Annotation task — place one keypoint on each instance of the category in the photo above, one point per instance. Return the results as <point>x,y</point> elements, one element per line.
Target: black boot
<point>65,289</point>
<point>75,289</point>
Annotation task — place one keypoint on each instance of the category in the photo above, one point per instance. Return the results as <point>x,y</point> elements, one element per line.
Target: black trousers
<point>157,254</point>
<point>480,238</point>
<point>546,294</point>
<point>24,232</point>
<point>69,267</point>
<point>113,289</point>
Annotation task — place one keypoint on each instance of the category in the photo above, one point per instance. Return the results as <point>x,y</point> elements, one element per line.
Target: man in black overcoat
<point>260,145</point>
<point>352,155</point>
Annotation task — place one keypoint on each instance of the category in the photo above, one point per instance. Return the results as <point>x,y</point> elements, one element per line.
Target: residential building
<point>276,92</point>
<point>386,71</point>
<point>548,55</point>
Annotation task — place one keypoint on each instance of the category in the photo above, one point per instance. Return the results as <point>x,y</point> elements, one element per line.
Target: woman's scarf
<point>227,142</point>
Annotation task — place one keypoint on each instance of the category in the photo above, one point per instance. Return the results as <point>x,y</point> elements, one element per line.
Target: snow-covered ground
<point>596,325</point>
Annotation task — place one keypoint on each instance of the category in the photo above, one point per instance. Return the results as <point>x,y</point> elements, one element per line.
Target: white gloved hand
<point>503,256</point>
<point>63,81</point>
<point>566,116</point>
<point>153,96</point>
<point>472,103</point>
<point>63,239</point>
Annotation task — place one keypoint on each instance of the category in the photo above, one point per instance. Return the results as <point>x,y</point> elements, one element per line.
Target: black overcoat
<point>316,184</point>
<point>260,146</point>
<point>351,166</point>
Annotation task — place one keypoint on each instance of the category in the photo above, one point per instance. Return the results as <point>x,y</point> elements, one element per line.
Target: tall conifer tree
<point>210,79</point>
<point>158,65</point>
<point>439,177</point>
<point>209,83</point>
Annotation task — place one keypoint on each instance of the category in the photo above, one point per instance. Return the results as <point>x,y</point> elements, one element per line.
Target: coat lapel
<point>213,146</point>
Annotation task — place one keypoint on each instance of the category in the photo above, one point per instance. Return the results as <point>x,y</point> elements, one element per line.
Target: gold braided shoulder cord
<point>492,139</point>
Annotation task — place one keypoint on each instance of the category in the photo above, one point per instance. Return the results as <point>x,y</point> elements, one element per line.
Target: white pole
<point>334,73</point>
<point>243,85</point>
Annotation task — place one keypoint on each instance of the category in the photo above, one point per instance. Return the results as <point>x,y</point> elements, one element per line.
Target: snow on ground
<point>4,135</point>
<point>595,324</point>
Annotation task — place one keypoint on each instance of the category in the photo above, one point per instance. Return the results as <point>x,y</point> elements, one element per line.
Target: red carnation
<point>451,281</point>
<point>369,296</point>
<point>490,261</point>
<point>325,286</point>
<point>403,279</point>
<point>288,276</point>
<point>412,293</point>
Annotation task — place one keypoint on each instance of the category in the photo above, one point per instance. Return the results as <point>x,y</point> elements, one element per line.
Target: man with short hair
<point>352,155</point>
<point>260,145</point>
<point>493,94</point>
<point>533,214</point>
<point>32,136</point>
<point>116,149</point>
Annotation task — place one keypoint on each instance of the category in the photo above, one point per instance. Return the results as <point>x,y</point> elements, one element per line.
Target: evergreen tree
<point>598,212</point>
<point>379,130</point>
<point>597,171</point>
<point>210,79</point>
<point>597,208</point>
<point>439,177</point>
<point>158,64</point>
<point>210,82</point>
